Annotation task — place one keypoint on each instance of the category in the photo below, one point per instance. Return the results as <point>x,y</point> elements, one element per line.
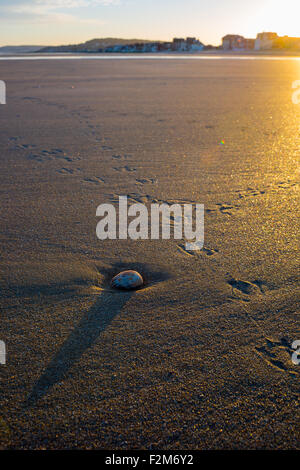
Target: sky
<point>53,22</point>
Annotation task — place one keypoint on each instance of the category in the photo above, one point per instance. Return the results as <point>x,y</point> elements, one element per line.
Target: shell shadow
<point>107,306</point>
<point>93,322</point>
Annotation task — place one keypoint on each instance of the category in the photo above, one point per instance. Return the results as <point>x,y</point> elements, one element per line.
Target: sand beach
<point>200,357</point>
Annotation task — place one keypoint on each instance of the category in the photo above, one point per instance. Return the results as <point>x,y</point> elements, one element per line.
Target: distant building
<point>196,45</point>
<point>188,44</point>
<point>190,41</point>
<point>286,42</point>
<point>249,43</point>
<point>232,42</point>
<point>165,46</point>
<point>235,42</point>
<point>265,41</point>
<point>178,44</point>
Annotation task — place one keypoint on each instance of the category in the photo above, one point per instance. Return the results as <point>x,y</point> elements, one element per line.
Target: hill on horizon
<point>93,45</point>
<point>19,49</point>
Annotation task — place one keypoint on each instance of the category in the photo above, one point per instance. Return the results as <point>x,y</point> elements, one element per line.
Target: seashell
<point>127,280</point>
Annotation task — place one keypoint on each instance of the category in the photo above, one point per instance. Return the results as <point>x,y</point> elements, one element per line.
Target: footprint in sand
<point>145,180</point>
<point>242,290</point>
<point>24,147</point>
<point>250,192</point>
<point>278,355</point>
<point>224,209</point>
<point>94,180</point>
<point>147,198</point>
<point>196,254</point>
<point>286,185</point>
<point>134,198</point>
<point>124,168</point>
<point>46,155</point>
<point>68,171</point>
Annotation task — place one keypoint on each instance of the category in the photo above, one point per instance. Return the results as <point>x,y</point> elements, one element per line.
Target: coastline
<point>175,54</point>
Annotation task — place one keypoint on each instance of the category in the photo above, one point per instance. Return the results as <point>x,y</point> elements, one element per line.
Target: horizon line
<point>127,39</point>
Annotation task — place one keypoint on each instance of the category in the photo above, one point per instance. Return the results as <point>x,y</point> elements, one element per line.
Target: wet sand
<point>201,357</point>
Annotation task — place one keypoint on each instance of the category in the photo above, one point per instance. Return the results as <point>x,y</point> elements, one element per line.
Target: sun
<point>278,16</point>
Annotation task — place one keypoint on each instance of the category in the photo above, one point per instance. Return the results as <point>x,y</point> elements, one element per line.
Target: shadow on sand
<point>93,322</point>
